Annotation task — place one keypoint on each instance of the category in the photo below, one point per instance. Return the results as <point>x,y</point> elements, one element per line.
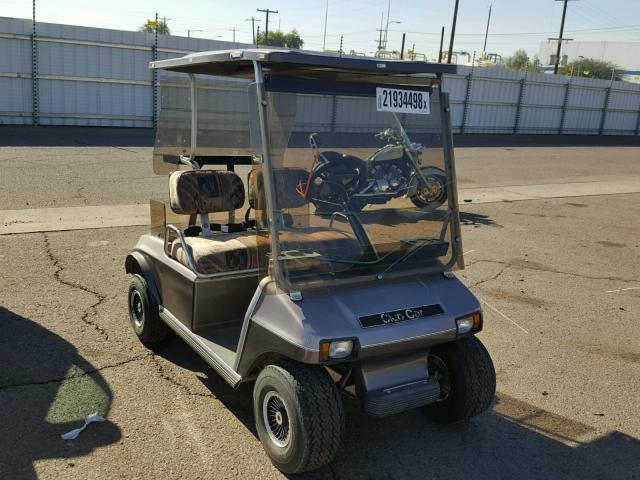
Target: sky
<point>514,23</point>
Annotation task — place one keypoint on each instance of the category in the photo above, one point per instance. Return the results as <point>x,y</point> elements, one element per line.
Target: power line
<point>524,34</point>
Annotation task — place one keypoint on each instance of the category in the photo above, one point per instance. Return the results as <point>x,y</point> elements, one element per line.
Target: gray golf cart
<point>308,241</point>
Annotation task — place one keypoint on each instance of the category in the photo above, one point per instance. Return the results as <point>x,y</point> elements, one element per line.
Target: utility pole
<point>342,38</point>
<point>402,48</point>
<point>564,14</point>
<point>453,31</point>
<point>486,33</point>
<point>326,15</point>
<point>234,30</point>
<point>189,32</point>
<point>441,45</point>
<point>380,39</point>
<point>266,11</point>
<point>253,26</point>
<point>386,30</point>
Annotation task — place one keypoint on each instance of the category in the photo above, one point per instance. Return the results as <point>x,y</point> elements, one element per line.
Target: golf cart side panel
<point>263,345</point>
<point>198,302</point>
<point>213,306</point>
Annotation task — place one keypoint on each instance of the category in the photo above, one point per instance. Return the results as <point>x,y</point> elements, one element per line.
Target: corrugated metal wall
<point>85,76</point>
<point>496,100</point>
<point>98,77</point>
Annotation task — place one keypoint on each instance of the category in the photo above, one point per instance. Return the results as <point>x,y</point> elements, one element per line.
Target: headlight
<point>471,323</point>
<point>336,349</point>
<point>340,348</point>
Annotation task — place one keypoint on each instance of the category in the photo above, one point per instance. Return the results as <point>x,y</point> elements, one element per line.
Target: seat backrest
<point>288,185</point>
<point>205,191</point>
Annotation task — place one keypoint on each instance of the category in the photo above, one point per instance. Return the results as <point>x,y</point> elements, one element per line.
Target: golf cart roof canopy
<point>240,63</point>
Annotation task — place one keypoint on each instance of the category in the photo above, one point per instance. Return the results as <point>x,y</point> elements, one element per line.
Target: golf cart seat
<point>210,191</point>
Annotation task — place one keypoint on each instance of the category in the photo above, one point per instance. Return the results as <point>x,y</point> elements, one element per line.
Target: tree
<point>163,28</point>
<point>518,61</point>
<point>592,68</point>
<point>279,39</point>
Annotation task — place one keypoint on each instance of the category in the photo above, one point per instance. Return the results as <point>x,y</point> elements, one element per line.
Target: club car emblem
<point>397,316</point>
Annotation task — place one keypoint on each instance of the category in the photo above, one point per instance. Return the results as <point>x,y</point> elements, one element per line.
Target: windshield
<point>360,182</point>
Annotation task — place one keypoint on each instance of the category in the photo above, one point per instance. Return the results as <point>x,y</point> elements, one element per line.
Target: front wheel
<point>143,313</point>
<point>467,380</point>
<point>299,416</point>
<point>434,193</point>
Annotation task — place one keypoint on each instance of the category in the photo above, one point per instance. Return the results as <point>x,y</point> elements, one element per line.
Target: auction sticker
<point>402,101</point>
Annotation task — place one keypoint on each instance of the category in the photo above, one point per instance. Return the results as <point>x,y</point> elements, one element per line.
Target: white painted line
<point>72,218</point>
<point>622,289</point>
<point>502,314</point>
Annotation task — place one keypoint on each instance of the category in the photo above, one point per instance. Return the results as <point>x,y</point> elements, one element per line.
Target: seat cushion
<point>221,253</point>
<point>226,252</point>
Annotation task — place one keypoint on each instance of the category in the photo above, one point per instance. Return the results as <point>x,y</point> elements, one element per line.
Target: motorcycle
<point>337,181</point>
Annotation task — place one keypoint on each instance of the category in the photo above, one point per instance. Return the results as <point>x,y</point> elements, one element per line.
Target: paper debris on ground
<point>94,417</point>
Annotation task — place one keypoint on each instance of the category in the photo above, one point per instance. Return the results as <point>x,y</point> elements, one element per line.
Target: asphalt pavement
<point>558,278</point>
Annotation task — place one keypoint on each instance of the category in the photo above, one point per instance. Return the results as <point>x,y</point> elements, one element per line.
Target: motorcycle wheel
<point>327,193</point>
<point>327,197</point>
<point>431,196</point>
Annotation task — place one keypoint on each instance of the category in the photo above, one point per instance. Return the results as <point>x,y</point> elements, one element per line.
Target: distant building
<point>624,54</point>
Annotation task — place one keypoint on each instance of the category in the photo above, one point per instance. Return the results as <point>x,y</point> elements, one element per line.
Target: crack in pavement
<point>57,275</point>
<point>524,265</point>
<point>84,373</point>
<point>494,277</point>
<point>174,382</point>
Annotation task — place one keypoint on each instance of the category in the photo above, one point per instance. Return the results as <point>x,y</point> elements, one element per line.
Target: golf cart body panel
<point>350,223</point>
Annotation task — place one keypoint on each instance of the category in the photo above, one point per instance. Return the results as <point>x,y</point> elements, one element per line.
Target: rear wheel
<point>467,380</point>
<point>143,313</point>
<point>299,416</point>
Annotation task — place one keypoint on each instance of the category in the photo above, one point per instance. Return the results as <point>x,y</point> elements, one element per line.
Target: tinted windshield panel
<point>360,182</point>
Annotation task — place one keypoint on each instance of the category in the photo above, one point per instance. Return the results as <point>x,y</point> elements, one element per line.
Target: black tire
<point>143,313</point>
<point>467,381</point>
<point>311,418</point>
<point>432,174</point>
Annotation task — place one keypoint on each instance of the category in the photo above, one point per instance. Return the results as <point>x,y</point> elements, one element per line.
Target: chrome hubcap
<point>431,191</point>
<point>276,419</point>
<point>136,309</point>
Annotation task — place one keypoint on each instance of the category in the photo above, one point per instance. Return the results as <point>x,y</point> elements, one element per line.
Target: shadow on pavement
<point>50,136</point>
<point>513,440</point>
<point>477,220</point>
<point>46,390</point>
<point>239,401</point>
<point>14,136</point>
